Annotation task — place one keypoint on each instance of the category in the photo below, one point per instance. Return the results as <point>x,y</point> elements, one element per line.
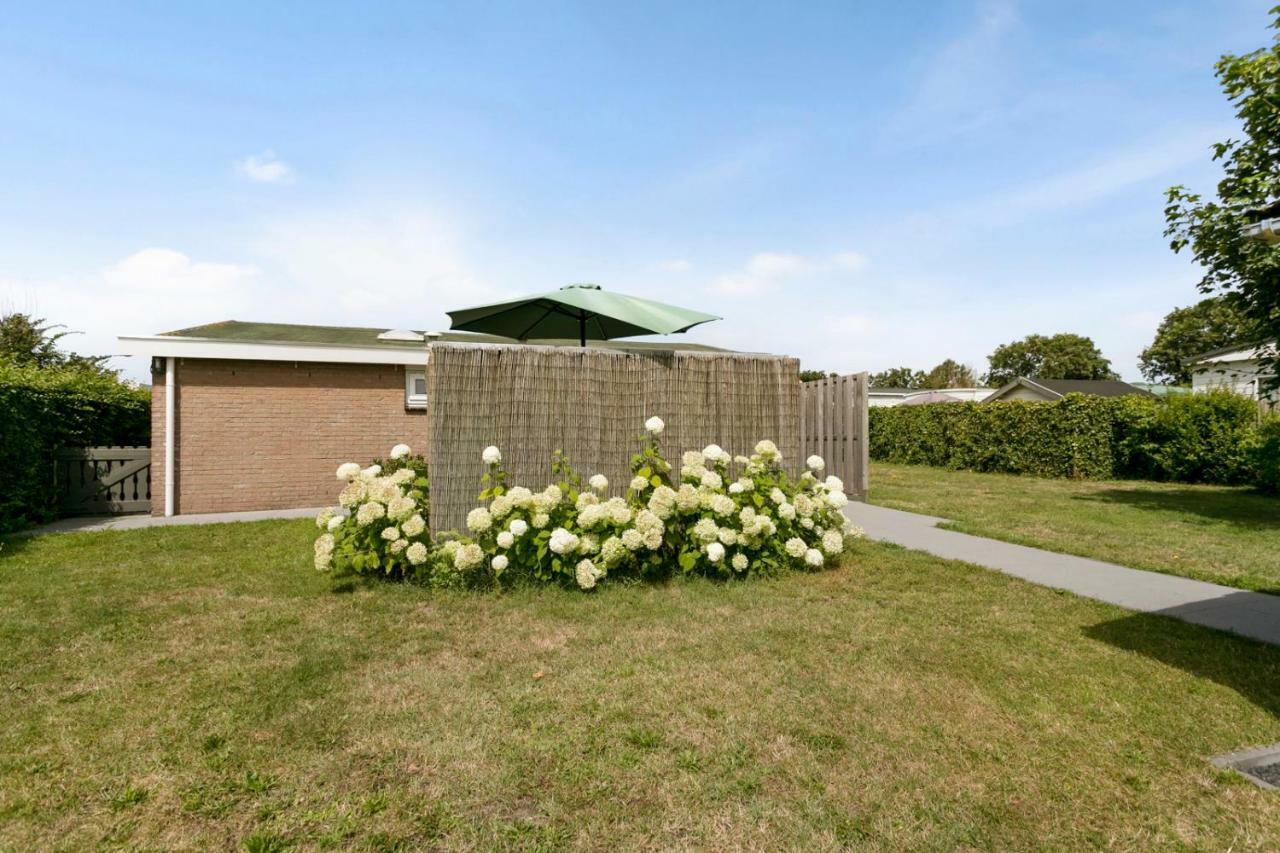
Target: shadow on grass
<point>1248,667</point>
<point>1241,507</point>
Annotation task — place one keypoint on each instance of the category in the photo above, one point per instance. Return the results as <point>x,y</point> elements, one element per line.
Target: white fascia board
<point>170,346</point>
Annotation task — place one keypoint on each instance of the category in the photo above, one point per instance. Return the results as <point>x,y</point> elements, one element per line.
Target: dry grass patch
<point>202,687</point>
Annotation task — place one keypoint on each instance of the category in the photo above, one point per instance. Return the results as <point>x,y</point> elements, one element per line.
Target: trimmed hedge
<point>1196,438</point>
<point>42,410</point>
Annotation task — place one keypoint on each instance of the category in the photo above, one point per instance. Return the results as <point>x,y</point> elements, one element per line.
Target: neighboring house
<point>898,396</point>
<point>263,412</point>
<point>1160,390</point>
<point>1237,368</point>
<point>1047,390</point>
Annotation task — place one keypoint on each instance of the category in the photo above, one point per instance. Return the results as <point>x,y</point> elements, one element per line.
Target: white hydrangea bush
<point>380,523</point>
<point>715,515</point>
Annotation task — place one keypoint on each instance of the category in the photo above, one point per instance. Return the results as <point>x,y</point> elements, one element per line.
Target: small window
<point>415,389</point>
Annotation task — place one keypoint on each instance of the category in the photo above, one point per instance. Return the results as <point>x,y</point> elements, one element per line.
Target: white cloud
<point>167,271</point>
<point>675,265</point>
<point>264,168</point>
<point>766,270</point>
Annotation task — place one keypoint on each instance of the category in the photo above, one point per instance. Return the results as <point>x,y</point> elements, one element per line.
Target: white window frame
<point>412,400</point>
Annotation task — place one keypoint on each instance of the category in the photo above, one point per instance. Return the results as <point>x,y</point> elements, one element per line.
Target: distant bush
<point>1199,438</point>
<point>1266,456</point>
<point>42,410</point>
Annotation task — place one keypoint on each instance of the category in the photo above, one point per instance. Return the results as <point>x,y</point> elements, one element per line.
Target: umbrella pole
<point>582,328</point>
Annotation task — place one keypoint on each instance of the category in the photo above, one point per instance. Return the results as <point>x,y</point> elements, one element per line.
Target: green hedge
<point>1199,438</point>
<point>42,410</point>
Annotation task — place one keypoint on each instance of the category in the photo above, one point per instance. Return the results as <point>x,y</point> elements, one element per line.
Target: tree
<point>1063,356</point>
<point>1212,230</point>
<point>1186,332</point>
<point>811,375</point>
<point>950,374</point>
<point>33,342</point>
<point>897,377</point>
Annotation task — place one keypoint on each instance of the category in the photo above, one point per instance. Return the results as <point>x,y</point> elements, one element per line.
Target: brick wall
<point>268,435</point>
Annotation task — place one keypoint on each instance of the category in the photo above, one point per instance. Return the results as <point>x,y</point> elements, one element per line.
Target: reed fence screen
<point>592,404</point>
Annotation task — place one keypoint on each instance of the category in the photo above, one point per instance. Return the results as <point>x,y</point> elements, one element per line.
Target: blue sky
<point>861,185</point>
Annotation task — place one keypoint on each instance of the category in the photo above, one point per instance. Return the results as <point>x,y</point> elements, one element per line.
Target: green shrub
<point>42,410</point>
<point>1266,456</point>
<point>703,521</point>
<point>1201,438</point>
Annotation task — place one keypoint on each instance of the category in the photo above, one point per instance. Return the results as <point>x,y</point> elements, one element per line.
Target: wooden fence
<point>833,424</point>
<point>103,480</point>
<point>592,403</point>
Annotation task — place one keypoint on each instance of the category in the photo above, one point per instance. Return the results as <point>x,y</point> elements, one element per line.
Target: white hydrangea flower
<point>638,484</point>
<point>815,463</point>
<point>768,449</point>
<point>834,484</point>
<point>692,459</point>
<point>371,472</point>
<point>832,542</point>
<point>324,552</point>
<point>786,512</point>
<point>391,534</point>
<point>414,525</point>
<point>469,556</point>
<point>618,511</point>
<point>853,531</point>
<point>401,508</point>
<point>653,539</point>
<point>506,539</point>
<point>540,520</point>
<point>491,455</point>
<point>348,471</point>
<point>369,513</point>
<point>687,498</point>
<point>586,574</point>
<point>612,551</point>
<point>712,480</point>
<point>500,506</point>
<point>520,496</point>
<point>352,494</point>
<point>322,520</point>
<point>562,541</point>
<point>519,527</point>
<point>723,505</point>
<point>715,453</point>
<point>795,547</point>
<point>399,451</point>
<point>663,501</point>
<point>499,563</point>
<point>397,546</point>
<point>588,544</point>
<point>403,476</point>
<point>715,552</point>
<point>336,522</point>
<point>655,425</point>
<point>727,536</point>
<point>813,557</point>
<point>706,530</point>
<point>736,488</point>
<point>777,496</point>
<point>479,520</point>
<point>806,523</point>
<point>804,505</point>
<point>416,553</point>
<point>599,482</point>
<point>740,562</point>
<point>633,539</point>
<point>837,500</point>
<point>450,548</point>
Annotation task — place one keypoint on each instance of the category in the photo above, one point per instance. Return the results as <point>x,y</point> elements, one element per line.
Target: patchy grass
<point>202,687</point>
<point>1213,533</point>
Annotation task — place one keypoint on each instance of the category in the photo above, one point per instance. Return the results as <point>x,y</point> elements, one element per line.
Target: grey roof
<point>1057,388</point>
<point>292,333</point>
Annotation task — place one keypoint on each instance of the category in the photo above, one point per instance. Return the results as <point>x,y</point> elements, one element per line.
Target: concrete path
<point>91,524</point>
<point>1251,614</point>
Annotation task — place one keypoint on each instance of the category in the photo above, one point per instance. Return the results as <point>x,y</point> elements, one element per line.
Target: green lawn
<point>1214,533</point>
<point>202,688</point>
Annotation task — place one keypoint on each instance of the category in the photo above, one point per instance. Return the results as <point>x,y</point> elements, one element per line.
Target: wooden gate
<point>103,480</point>
<point>833,424</point>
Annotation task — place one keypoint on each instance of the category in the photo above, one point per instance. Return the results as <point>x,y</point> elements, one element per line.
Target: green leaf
<point>688,560</point>
<point>655,480</point>
<point>645,472</point>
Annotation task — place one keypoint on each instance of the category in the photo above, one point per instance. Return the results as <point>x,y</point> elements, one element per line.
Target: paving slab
<point>91,524</point>
<point>1250,614</point>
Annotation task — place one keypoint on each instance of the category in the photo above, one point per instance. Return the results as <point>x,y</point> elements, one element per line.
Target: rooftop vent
<point>400,335</point>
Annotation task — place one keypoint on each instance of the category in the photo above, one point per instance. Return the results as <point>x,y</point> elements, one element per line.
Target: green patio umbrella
<point>582,311</point>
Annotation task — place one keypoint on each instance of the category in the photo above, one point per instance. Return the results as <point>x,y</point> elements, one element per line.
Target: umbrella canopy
<point>930,397</point>
<point>581,311</point>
